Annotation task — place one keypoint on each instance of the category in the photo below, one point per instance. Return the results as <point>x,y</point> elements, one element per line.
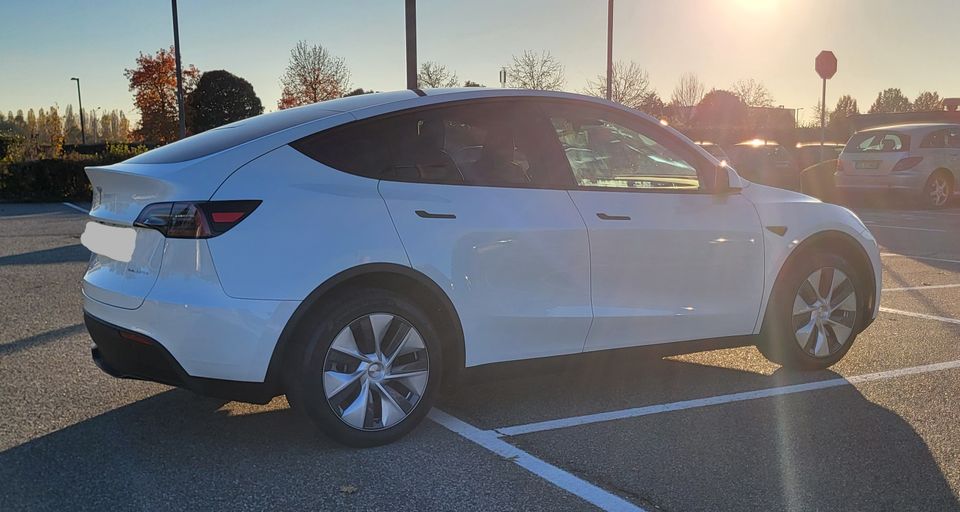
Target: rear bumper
<point>912,182</point>
<point>126,354</point>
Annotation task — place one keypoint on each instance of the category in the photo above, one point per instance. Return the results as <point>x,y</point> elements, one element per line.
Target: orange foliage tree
<point>154,85</point>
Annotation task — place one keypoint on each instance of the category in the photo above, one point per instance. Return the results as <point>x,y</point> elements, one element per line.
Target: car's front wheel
<point>369,369</point>
<point>814,312</point>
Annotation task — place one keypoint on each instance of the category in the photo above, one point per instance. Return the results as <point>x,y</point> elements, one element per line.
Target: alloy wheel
<point>375,371</point>
<point>938,191</point>
<point>824,312</point>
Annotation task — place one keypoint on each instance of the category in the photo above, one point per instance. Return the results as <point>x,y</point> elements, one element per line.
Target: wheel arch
<point>384,275</point>
<point>846,246</point>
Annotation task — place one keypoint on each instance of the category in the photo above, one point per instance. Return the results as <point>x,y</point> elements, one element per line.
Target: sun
<point>759,5</point>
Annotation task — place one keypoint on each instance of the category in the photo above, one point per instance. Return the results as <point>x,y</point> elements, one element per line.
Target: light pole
<point>176,54</point>
<point>411,29</point>
<point>83,135</point>
<point>609,48</point>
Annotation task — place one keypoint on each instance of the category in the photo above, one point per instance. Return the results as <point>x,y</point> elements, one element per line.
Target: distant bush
<point>60,179</point>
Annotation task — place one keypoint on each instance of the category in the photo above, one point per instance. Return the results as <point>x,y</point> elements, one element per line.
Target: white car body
<point>929,147</point>
<point>528,272</point>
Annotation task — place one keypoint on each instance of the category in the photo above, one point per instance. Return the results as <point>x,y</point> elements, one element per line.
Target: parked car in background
<point>716,150</point>
<point>766,162</point>
<point>352,253</point>
<point>809,153</point>
<point>920,161</point>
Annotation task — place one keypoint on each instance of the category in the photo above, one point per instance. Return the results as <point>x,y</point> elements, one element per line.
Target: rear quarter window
<point>878,142</point>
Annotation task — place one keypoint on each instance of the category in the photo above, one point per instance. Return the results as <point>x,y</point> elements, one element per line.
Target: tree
<point>840,123</point>
<point>434,75</point>
<point>357,92</point>
<point>889,101</point>
<point>31,123</point>
<point>533,70</point>
<point>753,93</point>
<point>722,115</point>
<point>313,74</point>
<point>928,101</point>
<point>686,95</point>
<point>631,85</point>
<point>220,98</point>
<point>124,131</point>
<point>154,85</point>
<point>71,126</point>
<point>471,83</point>
<point>653,105</point>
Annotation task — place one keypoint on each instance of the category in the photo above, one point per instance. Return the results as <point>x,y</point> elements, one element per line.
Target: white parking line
<point>921,315</point>
<point>928,287</point>
<point>491,441</point>
<point>922,258</point>
<point>722,399</point>
<point>871,225</point>
<point>75,207</point>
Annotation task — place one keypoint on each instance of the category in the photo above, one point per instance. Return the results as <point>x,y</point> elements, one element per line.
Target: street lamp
<point>176,54</point>
<point>83,136</point>
<point>609,49</point>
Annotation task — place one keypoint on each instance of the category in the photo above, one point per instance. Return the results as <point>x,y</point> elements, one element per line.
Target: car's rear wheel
<point>938,190</point>
<point>369,370</point>
<point>814,313</point>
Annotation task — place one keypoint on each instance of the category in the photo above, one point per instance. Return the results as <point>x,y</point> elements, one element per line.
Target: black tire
<point>778,341</point>
<point>305,368</point>
<point>939,178</point>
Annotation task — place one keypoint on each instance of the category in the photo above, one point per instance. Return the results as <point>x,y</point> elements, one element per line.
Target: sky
<point>879,43</point>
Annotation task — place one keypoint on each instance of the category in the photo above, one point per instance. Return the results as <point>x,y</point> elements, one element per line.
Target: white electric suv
<point>352,253</point>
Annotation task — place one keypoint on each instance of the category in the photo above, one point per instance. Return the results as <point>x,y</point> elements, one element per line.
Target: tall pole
<point>823,118</point>
<point>176,54</point>
<point>83,134</point>
<point>609,48</point>
<point>411,11</point>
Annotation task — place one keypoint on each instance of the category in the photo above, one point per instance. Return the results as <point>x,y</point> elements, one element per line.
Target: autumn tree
<point>630,86</point>
<point>890,101</point>
<point>928,101</point>
<point>313,74</point>
<point>434,75</point>
<point>753,93</point>
<point>532,70</point>
<point>220,98</point>
<point>154,85</point>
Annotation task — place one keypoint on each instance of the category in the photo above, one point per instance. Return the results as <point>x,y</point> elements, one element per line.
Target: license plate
<point>868,164</point>
<point>113,242</point>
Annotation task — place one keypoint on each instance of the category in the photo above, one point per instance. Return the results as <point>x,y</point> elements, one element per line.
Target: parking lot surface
<point>718,430</point>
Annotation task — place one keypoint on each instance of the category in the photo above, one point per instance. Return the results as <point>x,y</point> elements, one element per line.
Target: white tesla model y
<point>352,253</point>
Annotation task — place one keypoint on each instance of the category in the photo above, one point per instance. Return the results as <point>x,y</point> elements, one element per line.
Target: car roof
<point>911,127</point>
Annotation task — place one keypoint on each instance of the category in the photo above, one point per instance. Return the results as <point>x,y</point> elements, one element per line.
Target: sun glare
<point>759,5</point>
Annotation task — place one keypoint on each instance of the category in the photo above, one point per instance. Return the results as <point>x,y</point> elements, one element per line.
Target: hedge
<point>45,180</point>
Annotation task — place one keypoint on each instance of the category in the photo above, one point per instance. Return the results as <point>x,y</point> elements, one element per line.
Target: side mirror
<point>726,180</point>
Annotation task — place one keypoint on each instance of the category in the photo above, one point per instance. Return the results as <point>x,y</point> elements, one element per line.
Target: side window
<point>490,144</point>
<point>935,139</point>
<point>953,138</point>
<point>604,150</point>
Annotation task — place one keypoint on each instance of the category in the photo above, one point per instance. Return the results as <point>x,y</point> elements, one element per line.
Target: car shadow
<point>75,253</point>
<point>40,339</point>
<point>824,450</point>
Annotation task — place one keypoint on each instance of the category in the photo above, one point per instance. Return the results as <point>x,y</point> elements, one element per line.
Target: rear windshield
<point>228,136</point>
<point>878,142</point>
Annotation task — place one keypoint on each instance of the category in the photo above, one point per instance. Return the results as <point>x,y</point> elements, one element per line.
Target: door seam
<point>593,313</point>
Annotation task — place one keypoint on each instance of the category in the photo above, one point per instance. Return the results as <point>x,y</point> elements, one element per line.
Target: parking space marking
<point>491,441</point>
<point>927,287</point>
<point>636,412</point>
<point>921,315</point>
<point>888,226</point>
<point>922,258</point>
<point>75,207</point>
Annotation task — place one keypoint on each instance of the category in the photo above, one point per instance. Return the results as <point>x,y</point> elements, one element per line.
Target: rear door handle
<point>427,215</point>
<point>604,216</point>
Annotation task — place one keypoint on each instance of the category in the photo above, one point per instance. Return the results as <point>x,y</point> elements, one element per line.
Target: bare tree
<point>753,93</point>
<point>631,85</point>
<point>688,92</point>
<point>536,71</point>
<point>312,75</point>
<point>434,75</point>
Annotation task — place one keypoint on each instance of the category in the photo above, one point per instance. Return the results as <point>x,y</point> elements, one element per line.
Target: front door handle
<point>427,215</point>
<point>604,216</point>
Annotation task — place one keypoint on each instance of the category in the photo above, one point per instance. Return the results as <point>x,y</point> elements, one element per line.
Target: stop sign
<point>826,64</point>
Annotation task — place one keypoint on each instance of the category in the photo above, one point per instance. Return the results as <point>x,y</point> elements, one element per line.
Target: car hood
<point>762,194</point>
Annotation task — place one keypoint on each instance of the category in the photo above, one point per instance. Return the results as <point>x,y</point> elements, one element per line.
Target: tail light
<point>840,168</point>
<point>906,164</point>
<point>200,219</point>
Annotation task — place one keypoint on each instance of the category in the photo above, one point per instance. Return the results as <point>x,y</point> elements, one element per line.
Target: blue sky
<point>880,43</point>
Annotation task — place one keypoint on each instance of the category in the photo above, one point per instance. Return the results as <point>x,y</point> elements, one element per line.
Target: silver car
<point>922,160</point>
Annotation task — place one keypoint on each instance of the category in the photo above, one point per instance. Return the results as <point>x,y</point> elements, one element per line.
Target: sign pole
<point>823,118</point>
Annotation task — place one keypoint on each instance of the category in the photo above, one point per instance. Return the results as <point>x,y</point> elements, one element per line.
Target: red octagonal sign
<point>826,64</point>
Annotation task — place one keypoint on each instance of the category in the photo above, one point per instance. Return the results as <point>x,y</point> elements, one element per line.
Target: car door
<point>479,209</point>
<point>669,261</point>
